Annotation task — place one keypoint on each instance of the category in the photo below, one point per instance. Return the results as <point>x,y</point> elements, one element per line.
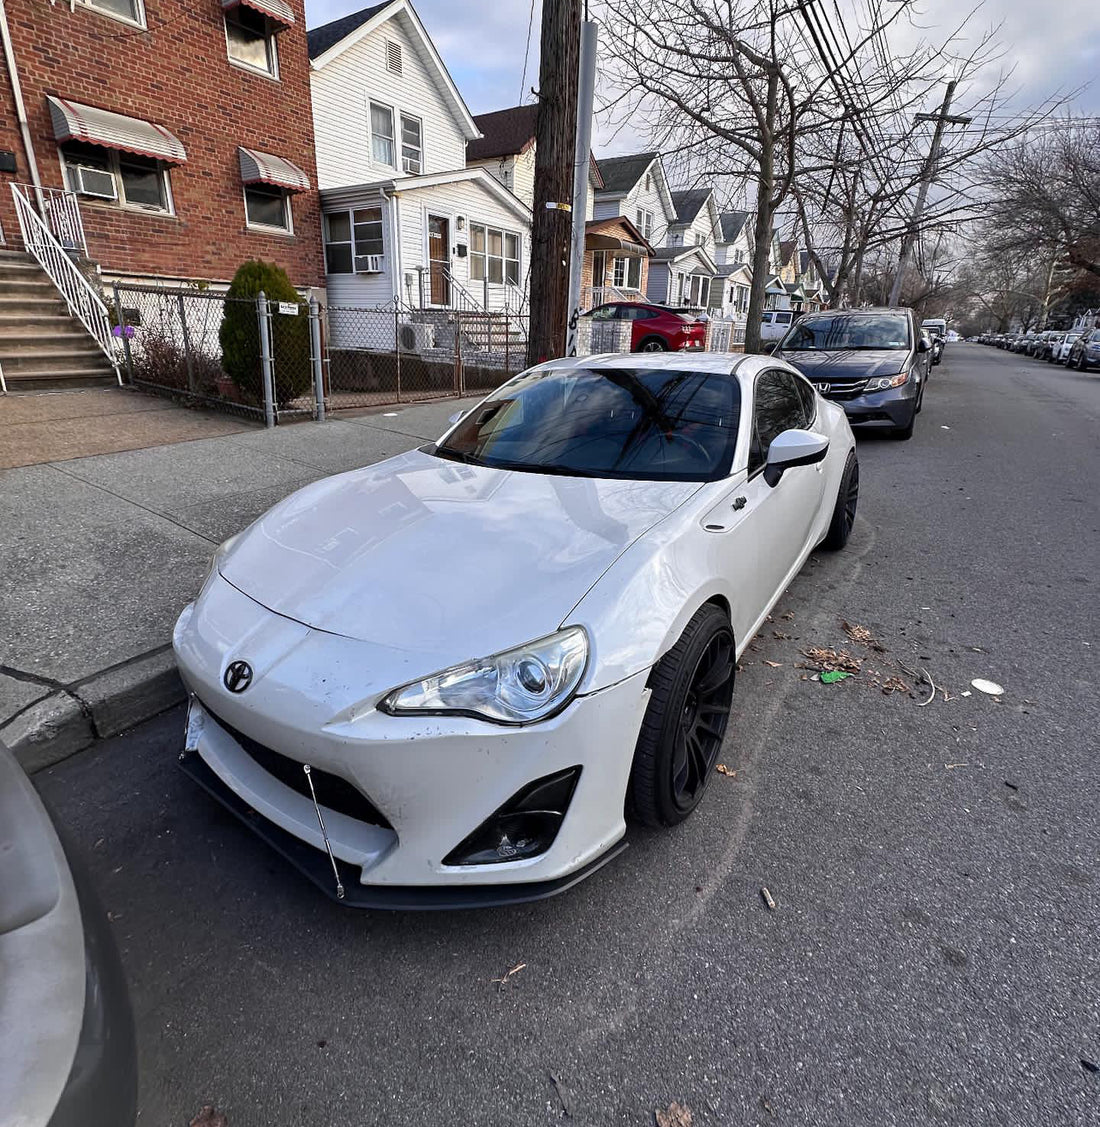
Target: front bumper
<point>430,781</point>
<point>893,407</point>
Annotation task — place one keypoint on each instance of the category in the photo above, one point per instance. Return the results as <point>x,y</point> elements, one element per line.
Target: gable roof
<point>620,174</point>
<point>732,223</point>
<point>331,40</point>
<point>689,203</point>
<point>504,132</point>
<point>320,39</point>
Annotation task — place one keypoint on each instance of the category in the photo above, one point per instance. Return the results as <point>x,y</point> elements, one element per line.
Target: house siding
<point>342,91</point>
<point>637,197</point>
<point>178,75</point>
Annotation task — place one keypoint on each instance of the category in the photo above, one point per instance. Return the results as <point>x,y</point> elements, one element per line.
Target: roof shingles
<point>329,34</point>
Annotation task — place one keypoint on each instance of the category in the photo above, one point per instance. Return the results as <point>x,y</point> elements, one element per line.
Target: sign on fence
<point>290,308</point>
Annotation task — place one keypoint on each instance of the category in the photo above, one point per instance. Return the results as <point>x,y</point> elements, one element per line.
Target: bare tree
<point>737,89</point>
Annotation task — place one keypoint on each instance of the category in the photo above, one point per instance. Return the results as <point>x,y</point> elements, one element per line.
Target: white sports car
<point>447,679</point>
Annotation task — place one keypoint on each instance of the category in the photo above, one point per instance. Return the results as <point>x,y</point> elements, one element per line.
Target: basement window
<point>250,40</point>
<point>111,176</point>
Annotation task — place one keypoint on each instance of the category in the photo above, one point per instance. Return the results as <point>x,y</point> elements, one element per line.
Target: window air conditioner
<point>368,264</point>
<point>94,182</point>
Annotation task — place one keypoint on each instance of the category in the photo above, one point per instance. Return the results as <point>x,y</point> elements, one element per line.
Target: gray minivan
<point>873,362</point>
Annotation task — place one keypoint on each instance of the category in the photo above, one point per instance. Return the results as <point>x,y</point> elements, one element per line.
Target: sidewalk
<point>101,553</point>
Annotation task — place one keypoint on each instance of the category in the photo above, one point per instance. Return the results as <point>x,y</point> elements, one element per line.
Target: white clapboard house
<point>406,222</point>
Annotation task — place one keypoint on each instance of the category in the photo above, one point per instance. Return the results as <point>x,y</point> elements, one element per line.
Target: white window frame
<point>402,117</point>
<point>272,45</point>
<point>645,222</point>
<point>485,256</point>
<point>120,200</point>
<point>139,7</point>
<point>394,143</point>
<point>621,271</point>
<point>266,228</point>
<point>350,240</point>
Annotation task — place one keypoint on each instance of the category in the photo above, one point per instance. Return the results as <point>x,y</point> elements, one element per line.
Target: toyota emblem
<point>238,676</point>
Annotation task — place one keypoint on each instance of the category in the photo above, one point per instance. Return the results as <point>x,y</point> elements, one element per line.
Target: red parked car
<point>654,328</point>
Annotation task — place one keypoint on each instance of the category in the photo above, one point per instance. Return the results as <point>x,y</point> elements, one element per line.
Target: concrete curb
<point>70,719</point>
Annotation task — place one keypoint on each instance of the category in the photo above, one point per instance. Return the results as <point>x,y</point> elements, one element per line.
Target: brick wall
<point>178,75</point>
<point>612,226</point>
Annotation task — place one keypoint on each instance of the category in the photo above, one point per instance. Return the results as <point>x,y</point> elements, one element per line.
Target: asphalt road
<point>933,955</point>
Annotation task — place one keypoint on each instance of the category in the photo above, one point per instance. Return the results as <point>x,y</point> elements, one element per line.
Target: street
<point>935,868</point>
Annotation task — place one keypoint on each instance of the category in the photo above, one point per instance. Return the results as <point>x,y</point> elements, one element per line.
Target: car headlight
<point>531,682</point>
<point>884,383</point>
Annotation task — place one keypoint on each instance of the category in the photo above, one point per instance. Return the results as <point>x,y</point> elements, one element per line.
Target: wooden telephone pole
<point>555,141</point>
<point>942,119</point>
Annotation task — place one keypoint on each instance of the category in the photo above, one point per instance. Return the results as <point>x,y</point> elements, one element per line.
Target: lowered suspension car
<point>447,679</point>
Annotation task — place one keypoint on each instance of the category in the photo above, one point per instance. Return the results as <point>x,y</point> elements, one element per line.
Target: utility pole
<point>942,119</point>
<point>555,141</point>
<point>586,96</point>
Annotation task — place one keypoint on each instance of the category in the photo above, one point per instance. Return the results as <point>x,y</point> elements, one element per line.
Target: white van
<point>774,323</point>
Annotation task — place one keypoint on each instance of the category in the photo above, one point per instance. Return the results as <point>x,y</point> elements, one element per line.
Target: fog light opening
<point>525,826</point>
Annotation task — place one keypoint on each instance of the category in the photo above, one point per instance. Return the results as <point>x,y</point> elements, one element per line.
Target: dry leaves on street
<point>894,685</point>
<point>209,1116</point>
<point>863,636</point>
<point>722,769</point>
<point>773,664</point>
<point>826,660</point>
<point>675,1115</point>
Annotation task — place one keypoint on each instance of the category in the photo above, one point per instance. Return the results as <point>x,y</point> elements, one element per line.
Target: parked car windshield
<point>837,332</point>
<point>646,424</point>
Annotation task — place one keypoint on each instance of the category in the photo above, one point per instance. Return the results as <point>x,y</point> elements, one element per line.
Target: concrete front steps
<point>42,347</point>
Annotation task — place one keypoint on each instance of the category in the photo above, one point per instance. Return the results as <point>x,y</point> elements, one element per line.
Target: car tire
<point>844,510</point>
<point>676,751</point>
<point>653,344</point>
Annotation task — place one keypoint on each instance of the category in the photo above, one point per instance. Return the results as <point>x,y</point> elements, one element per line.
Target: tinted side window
<point>809,402</point>
<point>777,406</point>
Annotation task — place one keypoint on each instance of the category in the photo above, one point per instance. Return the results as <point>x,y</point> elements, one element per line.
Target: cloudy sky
<point>483,44</point>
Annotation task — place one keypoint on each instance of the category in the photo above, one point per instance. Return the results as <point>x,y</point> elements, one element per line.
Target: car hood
<point>433,556</point>
<point>850,364</point>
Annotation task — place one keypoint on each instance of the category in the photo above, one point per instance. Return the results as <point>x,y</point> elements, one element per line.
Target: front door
<point>439,259</point>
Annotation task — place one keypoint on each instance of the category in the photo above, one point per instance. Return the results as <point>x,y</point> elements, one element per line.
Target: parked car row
<point>1075,349</point>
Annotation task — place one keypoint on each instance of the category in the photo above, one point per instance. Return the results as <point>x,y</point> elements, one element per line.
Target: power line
<point>526,52</point>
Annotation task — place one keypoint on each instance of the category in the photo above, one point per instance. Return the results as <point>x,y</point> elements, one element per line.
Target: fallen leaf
<point>773,664</point>
<point>722,769</point>
<point>895,685</point>
<point>831,676</point>
<point>209,1116</point>
<point>675,1115</point>
<point>778,634</point>
<point>827,659</point>
<point>789,616</point>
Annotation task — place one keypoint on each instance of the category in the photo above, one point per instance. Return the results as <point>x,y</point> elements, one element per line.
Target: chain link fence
<point>277,361</point>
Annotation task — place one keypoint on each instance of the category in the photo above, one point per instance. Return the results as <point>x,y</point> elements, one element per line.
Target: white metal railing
<point>61,211</point>
<point>83,301</point>
<point>601,295</point>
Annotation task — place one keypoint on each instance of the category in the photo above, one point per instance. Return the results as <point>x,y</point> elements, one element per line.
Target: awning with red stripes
<point>75,122</point>
<point>277,10</point>
<point>265,168</point>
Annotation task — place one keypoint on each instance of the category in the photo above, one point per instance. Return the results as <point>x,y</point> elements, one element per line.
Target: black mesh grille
<point>333,792</point>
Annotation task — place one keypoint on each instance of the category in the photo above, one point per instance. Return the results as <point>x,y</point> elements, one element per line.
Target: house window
<point>381,134</point>
<point>353,240</point>
<point>412,150</point>
<point>267,206</point>
<point>494,255</point>
<point>627,273</point>
<point>130,10</point>
<point>116,177</point>
<point>645,223</point>
<point>739,256</point>
<point>393,57</point>
<point>250,40</point>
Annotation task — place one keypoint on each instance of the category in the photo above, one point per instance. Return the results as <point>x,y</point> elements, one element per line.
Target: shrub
<point>240,334</point>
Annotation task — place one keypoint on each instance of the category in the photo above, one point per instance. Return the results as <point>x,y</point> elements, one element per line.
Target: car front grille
<point>842,388</point>
<point>333,792</point>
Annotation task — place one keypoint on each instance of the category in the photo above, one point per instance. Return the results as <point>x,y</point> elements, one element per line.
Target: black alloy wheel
<point>685,721</point>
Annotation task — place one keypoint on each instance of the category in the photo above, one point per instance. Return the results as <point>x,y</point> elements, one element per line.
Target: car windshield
<point>839,332</point>
<point>646,424</point>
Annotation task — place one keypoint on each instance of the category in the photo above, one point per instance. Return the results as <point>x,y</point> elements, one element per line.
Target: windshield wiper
<point>457,455</point>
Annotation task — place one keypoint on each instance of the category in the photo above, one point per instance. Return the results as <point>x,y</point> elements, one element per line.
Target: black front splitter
<point>314,864</point>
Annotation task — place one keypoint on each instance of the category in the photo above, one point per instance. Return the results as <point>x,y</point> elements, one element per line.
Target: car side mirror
<point>924,344</point>
<point>771,346</point>
<point>791,448</point>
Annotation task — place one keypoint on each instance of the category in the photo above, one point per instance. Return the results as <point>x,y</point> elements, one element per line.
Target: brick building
<point>185,130</point>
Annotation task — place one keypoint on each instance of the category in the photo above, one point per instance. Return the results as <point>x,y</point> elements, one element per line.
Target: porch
<point>616,262</point>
